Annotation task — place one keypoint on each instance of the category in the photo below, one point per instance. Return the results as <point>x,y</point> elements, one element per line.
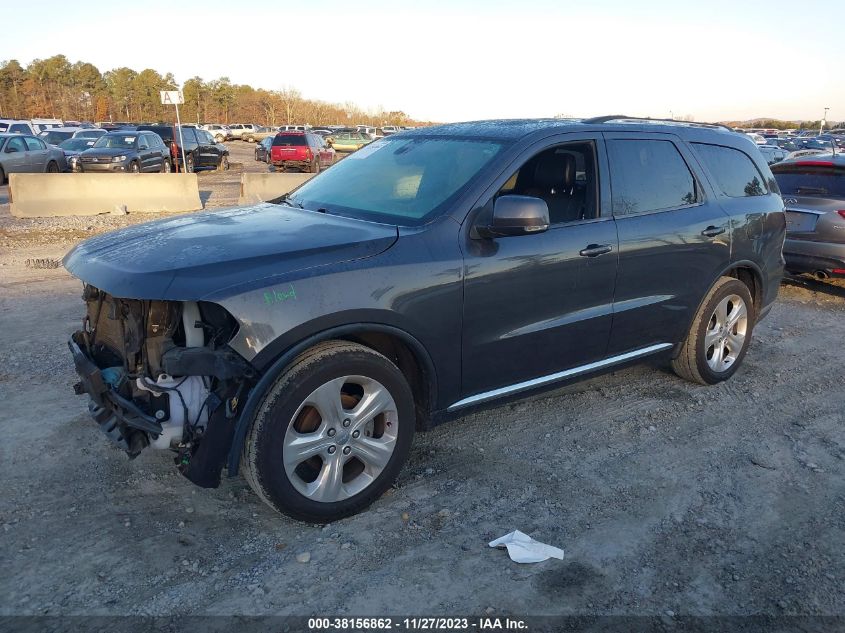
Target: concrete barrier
<point>262,187</point>
<point>53,195</point>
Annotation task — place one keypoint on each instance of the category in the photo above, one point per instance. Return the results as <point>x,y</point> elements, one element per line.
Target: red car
<point>303,150</point>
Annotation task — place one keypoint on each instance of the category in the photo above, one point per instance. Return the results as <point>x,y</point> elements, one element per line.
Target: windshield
<point>809,179</point>
<point>54,138</point>
<point>398,181</point>
<point>117,141</point>
<point>77,144</point>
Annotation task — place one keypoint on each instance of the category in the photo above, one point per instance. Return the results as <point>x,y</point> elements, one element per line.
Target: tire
<point>165,167</point>
<point>719,336</point>
<point>134,167</point>
<point>223,165</point>
<point>2,176</point>
<point>189,164</point>
<point>338,374</point>
<point>52,167</point>
<point>314,168</point>
<point>219,138</point>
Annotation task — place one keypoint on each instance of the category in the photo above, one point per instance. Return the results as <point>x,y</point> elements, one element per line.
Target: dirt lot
<point>668,498</point>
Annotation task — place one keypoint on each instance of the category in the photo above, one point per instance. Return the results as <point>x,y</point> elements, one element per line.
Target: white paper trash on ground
<point>524,549</point>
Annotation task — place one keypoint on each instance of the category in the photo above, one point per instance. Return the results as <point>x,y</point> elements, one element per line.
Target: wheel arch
<point>402,348</point>
<point>748,273</point>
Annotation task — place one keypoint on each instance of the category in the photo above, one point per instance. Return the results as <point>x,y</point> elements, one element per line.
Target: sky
<point>473,59</point>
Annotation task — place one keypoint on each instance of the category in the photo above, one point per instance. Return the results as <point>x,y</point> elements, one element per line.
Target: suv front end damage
<point>160,374</point>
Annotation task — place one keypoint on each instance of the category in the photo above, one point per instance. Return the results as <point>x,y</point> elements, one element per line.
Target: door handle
<point>713,231</point>
<point>594,250</point>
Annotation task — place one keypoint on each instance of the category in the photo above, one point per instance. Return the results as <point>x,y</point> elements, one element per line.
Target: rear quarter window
<point>648,175</point>
<point>735,173</point>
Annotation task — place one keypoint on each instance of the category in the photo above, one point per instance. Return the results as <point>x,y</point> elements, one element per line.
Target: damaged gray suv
<point>303,342</point>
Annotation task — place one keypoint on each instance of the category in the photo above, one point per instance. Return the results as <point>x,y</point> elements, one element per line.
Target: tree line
<point>56,88</point>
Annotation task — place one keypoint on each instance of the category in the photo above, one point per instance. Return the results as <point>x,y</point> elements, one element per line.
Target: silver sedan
<point>22,153</point>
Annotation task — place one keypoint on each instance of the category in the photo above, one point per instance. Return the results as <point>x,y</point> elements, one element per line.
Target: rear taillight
<point>307,154</point>
<point>841,212</point>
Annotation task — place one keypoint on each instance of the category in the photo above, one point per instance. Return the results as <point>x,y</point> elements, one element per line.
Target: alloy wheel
<point>340,438</point>
<point>724,337</point>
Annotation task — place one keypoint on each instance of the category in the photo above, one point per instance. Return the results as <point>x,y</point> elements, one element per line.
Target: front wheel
<point>719,336</point>
<point>189,164</point>
<point>223,165</point>
<point>219,138</point>
<point>165,166</point>
<point>52,167</point>
<point>332,433</point>
<point>134,167</point>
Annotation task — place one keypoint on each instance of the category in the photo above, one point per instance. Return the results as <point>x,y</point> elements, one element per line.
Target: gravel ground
<point>667,497</point>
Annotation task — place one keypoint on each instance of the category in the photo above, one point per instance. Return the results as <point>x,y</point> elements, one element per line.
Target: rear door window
<point>648,175</point>
<point>33,144</point>
<point>735,173</point>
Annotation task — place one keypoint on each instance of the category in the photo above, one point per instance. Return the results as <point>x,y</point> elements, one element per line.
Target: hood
<point>211,255</point>
<point>108,151</point>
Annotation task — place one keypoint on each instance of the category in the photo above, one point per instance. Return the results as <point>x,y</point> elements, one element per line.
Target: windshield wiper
<point>811,190</point>
<point>286,200</point>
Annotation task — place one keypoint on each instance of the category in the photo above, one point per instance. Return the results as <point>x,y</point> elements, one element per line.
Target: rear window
<point>53,137</point>
<point>289,140</point>
<point>648,176</point>
<point>811,178</point>
<point>4,127</point>
<point>736,174</point>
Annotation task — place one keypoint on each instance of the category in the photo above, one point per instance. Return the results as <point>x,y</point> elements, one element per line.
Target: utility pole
<point>824,121</point>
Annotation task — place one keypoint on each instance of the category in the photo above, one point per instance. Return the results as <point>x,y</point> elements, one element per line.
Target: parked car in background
<point>17,126</point>
<point>262,149</point>
<point>348,140</point>
<point>391,129</point>
<point>372,132</point>
<point>300,150</point>
<point>757,138</point>
<point>24,153</point>
<point>239,129</point>
<point>772,153</point>
<point>259,133</point>
<point>201,152</point>
<point>73,147</point>
<point>219,132</point>
<point>445,271</point>
<point>324,132</point>
<point>39,125</point>
<point>813,190</point>
<point>213,154</point>
<point>126,152</point>
<point>294,128</point>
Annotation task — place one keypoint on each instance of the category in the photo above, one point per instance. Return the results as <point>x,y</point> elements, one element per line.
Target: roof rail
<point>622,117</point>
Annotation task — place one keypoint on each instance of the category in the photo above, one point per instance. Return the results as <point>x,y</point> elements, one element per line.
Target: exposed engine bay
<point>160,375</point>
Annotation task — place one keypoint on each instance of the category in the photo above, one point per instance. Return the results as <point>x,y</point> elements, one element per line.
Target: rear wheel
<point>52,167</point>
<point>719,336</point>
<point>165,166</point>
<point>332,433</point>
<point>189,164</point>
<point>314,167</point>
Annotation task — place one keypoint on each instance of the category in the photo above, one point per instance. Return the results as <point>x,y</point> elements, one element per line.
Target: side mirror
<point>516,215</point>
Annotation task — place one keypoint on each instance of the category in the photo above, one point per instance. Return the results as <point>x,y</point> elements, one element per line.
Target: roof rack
<point>622,117</point>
